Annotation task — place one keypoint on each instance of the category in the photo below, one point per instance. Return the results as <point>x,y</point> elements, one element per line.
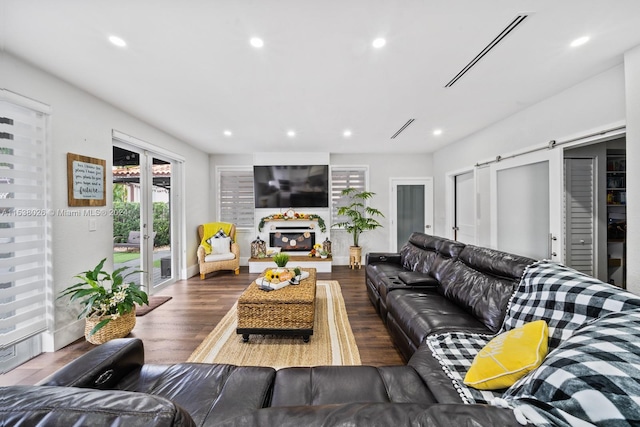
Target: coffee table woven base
<point>287,311</point>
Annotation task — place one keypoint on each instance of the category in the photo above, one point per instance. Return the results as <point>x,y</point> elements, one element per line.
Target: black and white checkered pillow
<point>564,298</point>
<point>455,351</point>
<point>219,235</point>
<point>592,377</point>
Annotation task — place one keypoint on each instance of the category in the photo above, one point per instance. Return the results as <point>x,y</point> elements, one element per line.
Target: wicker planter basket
<point>118,328</point>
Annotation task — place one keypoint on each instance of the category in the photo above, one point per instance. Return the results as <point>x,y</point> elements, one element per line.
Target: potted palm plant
<point>360,218</point>
<point>108,303</point>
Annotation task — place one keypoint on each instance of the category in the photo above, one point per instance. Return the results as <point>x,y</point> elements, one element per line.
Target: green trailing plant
<point>281,259</point>
<point>360,217</point>
<point>103,294</point>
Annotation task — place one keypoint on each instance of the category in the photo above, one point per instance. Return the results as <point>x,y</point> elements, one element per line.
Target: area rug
<point>154,302</point>
<point>332,342</point>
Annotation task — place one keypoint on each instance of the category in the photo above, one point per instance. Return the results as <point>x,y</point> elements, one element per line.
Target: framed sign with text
<point>86,181</point>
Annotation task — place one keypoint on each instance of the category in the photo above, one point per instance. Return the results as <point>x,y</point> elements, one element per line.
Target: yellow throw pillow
<point>509,357</point>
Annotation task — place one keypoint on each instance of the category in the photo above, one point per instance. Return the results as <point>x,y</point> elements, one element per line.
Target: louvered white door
<point>580,214</point>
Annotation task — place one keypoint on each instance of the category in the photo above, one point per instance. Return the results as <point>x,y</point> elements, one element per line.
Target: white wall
<point>382,167</point>
<point>632,79</point>
<point>82,124</point>
<point>594,104</point>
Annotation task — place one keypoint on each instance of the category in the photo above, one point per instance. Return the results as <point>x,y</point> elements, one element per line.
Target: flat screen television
<point>288,186</point>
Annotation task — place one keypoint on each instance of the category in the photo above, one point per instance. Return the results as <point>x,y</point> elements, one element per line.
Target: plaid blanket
<point>591,379</point>
<point>565,298</point>
<point>455,352</point>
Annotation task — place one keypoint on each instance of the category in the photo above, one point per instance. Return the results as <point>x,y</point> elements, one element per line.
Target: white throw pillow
<point>220,245</point>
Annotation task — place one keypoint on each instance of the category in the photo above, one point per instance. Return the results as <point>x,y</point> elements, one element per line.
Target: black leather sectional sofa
<point>433,285</point>
<point>436,285</point>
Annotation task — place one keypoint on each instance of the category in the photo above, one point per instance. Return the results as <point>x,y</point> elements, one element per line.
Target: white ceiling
<point>189,69</point>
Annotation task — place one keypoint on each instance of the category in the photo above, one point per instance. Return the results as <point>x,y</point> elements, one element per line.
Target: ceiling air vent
<point>504,33</point>
<point>404,126</point>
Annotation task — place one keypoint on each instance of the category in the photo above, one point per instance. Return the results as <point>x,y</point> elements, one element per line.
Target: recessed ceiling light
<point>256,42</point>
<point>347,133</point>
<point>227,133</point>
<point>580,41</point>
<point>437,132</point>
<point>291,133</point>
<point>117,41</point>
<point>379,42</point>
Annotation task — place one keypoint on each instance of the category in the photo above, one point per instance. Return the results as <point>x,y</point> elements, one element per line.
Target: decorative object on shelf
<point>324,254</point>
<point>326,245</point>
<point>290,215</point>
<point>360,219</point>
<point>316,250</point>
<point>109,310</point>
<point>258,248</point>
<point>281,259</point>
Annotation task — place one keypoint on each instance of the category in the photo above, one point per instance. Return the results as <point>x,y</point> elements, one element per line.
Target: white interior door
<point>411,208</point>
<point>526,205</point>
<point>464,207</point>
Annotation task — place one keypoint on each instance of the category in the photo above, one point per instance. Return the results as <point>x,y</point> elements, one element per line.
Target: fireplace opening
<point>293,241</point>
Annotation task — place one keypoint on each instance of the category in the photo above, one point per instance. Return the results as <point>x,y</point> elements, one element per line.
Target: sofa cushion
<point>482,281</point>
<point>219,391</point>
<point>593,376</point>
<point>455,352</point>
<point>325,385</point>
<point>509,357</point>
<point>564,298</point>
<point>420,313</point>
<point>423,253</point>
<point>220,257</point>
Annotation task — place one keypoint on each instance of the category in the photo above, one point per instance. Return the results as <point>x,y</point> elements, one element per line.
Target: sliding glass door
<point>142,201</point>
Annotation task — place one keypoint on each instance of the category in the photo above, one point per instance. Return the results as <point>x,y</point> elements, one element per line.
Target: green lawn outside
<point>121,257</point>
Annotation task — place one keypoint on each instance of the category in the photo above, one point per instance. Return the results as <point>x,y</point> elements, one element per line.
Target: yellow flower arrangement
<point>276,276</point>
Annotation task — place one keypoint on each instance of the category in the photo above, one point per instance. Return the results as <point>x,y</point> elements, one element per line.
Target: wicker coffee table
<point>287,311</point>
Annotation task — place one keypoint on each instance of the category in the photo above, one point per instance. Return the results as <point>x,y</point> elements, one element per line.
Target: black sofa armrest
<point>417,279</point>
<point>376,257</point>
<point>102,367</point>
<point>70,406</point>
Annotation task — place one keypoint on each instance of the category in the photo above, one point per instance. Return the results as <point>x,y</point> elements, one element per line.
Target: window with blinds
<point>23,224</point>
<point>235,192</point>
<point>341,178</point>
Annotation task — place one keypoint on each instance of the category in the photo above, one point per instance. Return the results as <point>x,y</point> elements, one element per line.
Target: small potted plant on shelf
<point>281,259</point>
<point>324,254</point>
<point>108,303</point>
<point>360,218</point>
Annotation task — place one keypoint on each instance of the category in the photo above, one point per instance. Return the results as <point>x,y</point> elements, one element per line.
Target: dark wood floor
<point>173,331</point>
